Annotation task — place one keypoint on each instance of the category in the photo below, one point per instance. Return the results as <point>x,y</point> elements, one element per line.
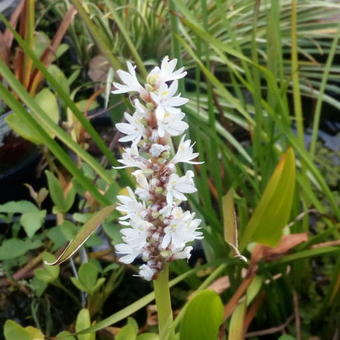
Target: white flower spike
<point>155,226</point>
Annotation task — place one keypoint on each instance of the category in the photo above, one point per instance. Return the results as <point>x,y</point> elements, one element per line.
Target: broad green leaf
<point>84,233</point>
<point>56,236</point>
<point>273,211</point>
<point>32,221</point>
<point>19,207</point>
<point>87,281</point>
<point>286,337</point>
<point>13,331</point>
<point>38,286</point>
<point>69,230</point>
<point>59,76</point>
<point>41,42</point>
<point>83,321</point>
<point>64,335</point>
<point>236,327</point>
<point>78,284</point>
<point>48,103</point>
<point>47,274</point>
<point>129,331</point>
<point>148,336</point>
<point>22,129</point>
<point>203,317</point>
<point>88,273</point>
<point>14,247</point>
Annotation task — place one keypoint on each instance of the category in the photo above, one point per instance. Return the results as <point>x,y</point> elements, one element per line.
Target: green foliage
<point>87,280</point>
<point>273,211</point>
<point>13,248</point>
<point>13,331</point>
<point>47,273</point>
<point>62,201</point>
<point>240,87</point>
<point>129,331</point>
<point>83,321</point>
<point>32,218</point>
<point>203,317</point>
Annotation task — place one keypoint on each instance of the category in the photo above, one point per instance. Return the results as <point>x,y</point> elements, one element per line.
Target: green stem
<point>163,301</point>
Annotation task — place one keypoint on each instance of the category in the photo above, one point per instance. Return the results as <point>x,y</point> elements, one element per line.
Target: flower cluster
<point>157,228</point>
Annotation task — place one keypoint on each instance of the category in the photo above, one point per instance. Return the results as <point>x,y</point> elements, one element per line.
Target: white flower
<point>131,158</point>
<point>146,272</point>
<point>185,153</point>
<point>184,254</point>
<point>165,98</point>
<point>177,186</point>
<point>165,72</point>
<point>130,206</point>
<point>143,190</point>
<point>135,241</point>
<point>130,81</point>
<point>182,229</point>
<point>157,149</point>
<point>171,123</point>
<point>134,129</point>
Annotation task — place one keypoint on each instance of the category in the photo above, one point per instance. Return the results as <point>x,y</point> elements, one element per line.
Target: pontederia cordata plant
<point>157,227</point>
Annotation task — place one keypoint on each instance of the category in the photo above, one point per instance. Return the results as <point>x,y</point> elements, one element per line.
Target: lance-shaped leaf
<point>273,210</point>
<point>84,233</point>
<point>230,224</point>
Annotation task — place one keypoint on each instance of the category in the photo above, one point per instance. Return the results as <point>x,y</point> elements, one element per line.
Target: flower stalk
<point>163,301</point>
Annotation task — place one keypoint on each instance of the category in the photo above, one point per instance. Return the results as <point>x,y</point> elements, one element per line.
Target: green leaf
<point>64,335</point>
<point>38,286</point>
<point>129,331</point>
<point>203,317</point>
<point>14,247</point>
<point>148,336</point>
<point>56,191</point>
<point>69,230</point>
<point>286,337</point>
<point>57,237</point>
<point>88,274</point>
<point>84,233</point>
<point>48,103</point>
<point>87,281</point>
<point>272,212</point>
<point>47,274</point>
<point>32,221</point>
<point>19,207</point>
<point>13,331</point>
<point>83,321</point>
<point>236,327</point>
<point>59,76</point>
<point>22,129</point>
